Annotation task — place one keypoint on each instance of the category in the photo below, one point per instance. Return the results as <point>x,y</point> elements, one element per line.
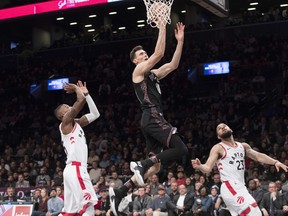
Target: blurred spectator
<point>59,192</point>
<point>21,183</point>
<point>93,157</point>
<point>114,178</point>
<point>103,205</point>
<point>58,178</point>
<point>203,203</point>
<point>270,204</point>
<point>55,204</point>
<point>182,203</point>
<point>158,204</point>
<point>95,172</point>
<point>10,195</point>
<point>141,202</point>
<point>43,206</point>
<point>255,191</point>
<point>10,181</point>
<point>43,179</point>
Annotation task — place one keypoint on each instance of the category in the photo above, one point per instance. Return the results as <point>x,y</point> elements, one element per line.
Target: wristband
<point>275,162</point>
<point>86,94</point>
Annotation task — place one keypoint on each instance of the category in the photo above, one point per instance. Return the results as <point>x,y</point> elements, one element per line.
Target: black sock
<point>150,162</point>
<point>127,185</point>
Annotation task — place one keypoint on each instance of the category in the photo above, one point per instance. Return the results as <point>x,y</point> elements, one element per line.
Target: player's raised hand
<point>179,31</point>
<point>69,87</point>
<point>279,165</point>
<point>196,163</point>
<point>83,87</point>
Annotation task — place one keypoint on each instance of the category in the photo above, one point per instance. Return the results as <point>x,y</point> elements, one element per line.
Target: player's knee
<point>177,143</point>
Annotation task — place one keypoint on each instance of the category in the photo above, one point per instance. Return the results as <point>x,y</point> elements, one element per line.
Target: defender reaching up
<point>79,193</point>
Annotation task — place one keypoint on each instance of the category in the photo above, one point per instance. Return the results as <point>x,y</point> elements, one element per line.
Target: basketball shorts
<point>78,189</point>
<point>156,130</point>
<point>236,197</point>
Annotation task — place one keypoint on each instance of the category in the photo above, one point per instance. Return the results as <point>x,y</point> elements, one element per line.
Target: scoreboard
<point>218,7</point>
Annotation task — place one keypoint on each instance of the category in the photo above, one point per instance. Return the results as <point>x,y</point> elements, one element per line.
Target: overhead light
<point>253,3</point>
<point>122,28</point>
<point>114,32</point>
<point>140,21</point>
<point>284,5</point>
<point>91,30</point>
<point>250,9</point>
<point>141,25</point>
<point>73,23</point>
<point>183,11</point>
<point>88,25</point>
<point>92,15</point>
<point>60,18</point>
<point>130,8</point>
<point>113,13</point>
<point>262,14</point>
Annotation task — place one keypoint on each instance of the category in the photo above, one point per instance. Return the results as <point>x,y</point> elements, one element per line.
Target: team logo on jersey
<point>240,199</point>
<point>72,139</point>
<point>87,196</point>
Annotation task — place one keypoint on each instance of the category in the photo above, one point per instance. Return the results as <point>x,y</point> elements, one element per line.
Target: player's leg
<point>176,150</point>
<point>116,195</point>
<point>89,211</point>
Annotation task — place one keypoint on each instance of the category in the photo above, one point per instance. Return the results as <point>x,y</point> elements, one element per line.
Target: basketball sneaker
<point>115,196</point>
<point>139,171</point>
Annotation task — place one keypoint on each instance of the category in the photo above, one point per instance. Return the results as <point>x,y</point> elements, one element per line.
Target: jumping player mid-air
<point>156,130</point>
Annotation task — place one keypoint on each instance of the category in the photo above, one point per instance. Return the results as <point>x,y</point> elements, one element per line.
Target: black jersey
<point>148,92</point>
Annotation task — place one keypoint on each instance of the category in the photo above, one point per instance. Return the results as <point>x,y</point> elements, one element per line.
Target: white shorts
<point>78,189</point>
<point>236,197</point>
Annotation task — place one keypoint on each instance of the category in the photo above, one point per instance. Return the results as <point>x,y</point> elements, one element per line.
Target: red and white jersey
<point>232,165</point>
<point>75,145</point>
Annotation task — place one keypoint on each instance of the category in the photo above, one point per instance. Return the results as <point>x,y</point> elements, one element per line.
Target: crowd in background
<point>251,100</point>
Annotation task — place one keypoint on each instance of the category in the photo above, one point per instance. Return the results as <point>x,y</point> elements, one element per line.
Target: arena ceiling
<point>124,17</point>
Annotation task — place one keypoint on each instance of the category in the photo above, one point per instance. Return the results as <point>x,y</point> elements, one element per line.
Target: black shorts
<point>157,131</point>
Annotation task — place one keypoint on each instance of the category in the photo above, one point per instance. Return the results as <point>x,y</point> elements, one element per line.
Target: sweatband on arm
<point>94,113</point>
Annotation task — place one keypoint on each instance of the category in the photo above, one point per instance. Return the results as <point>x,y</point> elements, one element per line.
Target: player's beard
<point>227,134</point>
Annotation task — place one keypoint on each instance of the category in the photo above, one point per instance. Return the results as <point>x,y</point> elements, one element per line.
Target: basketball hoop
<point>158,12</point>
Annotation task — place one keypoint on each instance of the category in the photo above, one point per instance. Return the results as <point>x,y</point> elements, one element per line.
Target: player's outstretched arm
<point>212,159</point>
<point>144,67</point>
<point>174,63</point>
<point>263,158</point>
<point>68,118</point>
<point>94,113</point>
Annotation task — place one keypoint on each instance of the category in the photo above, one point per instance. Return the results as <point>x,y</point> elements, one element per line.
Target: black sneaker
<point>139,171</point>
<point>115,199</point>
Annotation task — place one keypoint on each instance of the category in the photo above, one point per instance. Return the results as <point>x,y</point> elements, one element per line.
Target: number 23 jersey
<point>232,164</point>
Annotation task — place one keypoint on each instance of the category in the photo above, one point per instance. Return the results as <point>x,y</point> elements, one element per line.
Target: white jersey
<point>232,165</point>
<point>75,145</point>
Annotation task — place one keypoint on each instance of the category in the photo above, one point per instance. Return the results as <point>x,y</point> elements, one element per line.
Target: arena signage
<point>48,6</point>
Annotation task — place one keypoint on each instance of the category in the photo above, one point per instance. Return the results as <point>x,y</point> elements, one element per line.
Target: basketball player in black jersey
<point>156,130</point>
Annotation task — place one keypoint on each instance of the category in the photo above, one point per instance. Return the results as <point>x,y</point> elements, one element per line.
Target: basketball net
<point>158,12</point>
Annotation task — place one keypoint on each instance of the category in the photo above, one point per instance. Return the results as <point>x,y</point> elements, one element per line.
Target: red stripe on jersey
<point>245,212</point>
<point>74,128</point>
<point>254,204</point>
<point>230,188</point>
<point>69,214</point>
<point>83,209</point>
<point>225,152</point>
<point>80,179</point>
